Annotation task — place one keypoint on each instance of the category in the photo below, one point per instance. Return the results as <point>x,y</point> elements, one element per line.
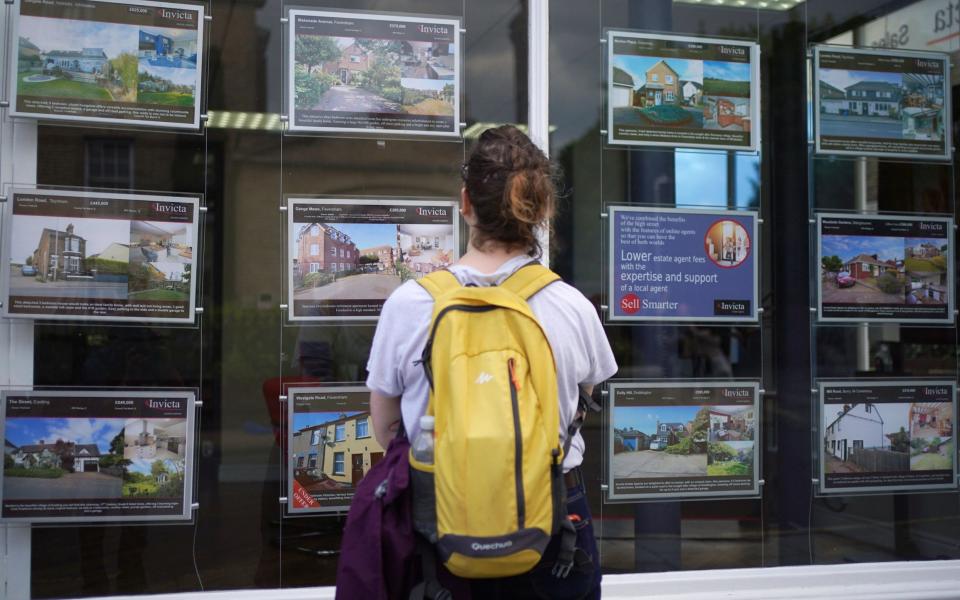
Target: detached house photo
<point>62,459</point>
<point>332,451</point>
<point>659,441</point>
<point>651,91</point>
<point>861,103</point>
<point>863,269</point>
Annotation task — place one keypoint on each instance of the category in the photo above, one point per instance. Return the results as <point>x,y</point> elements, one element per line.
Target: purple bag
<point>377,555</point>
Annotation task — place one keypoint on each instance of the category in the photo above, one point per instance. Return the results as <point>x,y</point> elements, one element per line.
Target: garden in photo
<point>363,75</point>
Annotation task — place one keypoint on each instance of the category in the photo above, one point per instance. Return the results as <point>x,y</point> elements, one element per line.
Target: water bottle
<point>422,449</point>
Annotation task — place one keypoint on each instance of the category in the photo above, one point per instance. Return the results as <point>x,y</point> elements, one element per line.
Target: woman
<point>508,193</point>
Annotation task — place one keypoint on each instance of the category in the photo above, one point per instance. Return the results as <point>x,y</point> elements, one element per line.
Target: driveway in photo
<point>353,99</point>
<point>28,286</point>
<point>655,463</point>
<point>854,126</point>
<point>859,294</point>
<point>355,287</point>
<point>70,485</point>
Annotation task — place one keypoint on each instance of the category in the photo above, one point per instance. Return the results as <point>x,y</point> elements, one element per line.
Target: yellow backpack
<point>494,495</point>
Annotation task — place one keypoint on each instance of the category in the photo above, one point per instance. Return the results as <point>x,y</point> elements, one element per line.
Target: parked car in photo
<point>28,271</point>
<point>845,280</point>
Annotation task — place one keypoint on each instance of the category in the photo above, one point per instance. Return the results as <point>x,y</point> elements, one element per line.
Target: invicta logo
<point>483,378</point>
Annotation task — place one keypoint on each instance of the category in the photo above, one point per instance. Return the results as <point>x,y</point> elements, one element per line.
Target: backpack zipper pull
<point>511,364</point>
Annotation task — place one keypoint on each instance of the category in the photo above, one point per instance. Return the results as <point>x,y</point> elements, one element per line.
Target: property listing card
<point>683,440</point>
<point>347,256</point>
<point>882,102</point>
<point>359,72</point>
<point>97,456</point>
<point>884,436</point>
<point>885,268</point>
<point>682,265</point>
<point>680,91</point>
<point>331,447</point>
<point>88,256</point>
<point>108,61</point>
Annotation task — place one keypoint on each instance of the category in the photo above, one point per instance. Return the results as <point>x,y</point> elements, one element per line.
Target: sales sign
<point>682,265</point>
<point>97,456</point>
<point>331,444</point>
<point>683,439</point>
<point>884,436</point>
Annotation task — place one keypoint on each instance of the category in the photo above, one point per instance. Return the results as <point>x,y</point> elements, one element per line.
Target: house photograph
<point>651,91</point>
<point>735,423</point>
<point>333,450</point>
<point>154,478</point>
<point>727,243</point>
<point>327,262</point>
<point>83,60</point>
<point>167,67</point>
<point>922,107</point>
<point>369,75</point>
<point>866,437</point>
<point>861,103</point>
<point>659,441</point>
<point>730,458</point>
<point>160,260</point>
<point>54,458</point>
<point>68,258</point>
<point>932,446</point>
<point>164,439</point>
<point>925,263</point>
<point>863,269</point>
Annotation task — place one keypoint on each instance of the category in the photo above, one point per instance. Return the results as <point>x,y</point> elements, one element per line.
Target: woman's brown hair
<point>510,184</point>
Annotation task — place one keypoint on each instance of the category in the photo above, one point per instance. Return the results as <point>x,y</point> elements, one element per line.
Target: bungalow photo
<point>932,446</point>
<point>865,104</point>
<point>58,257</point>
<point>925,265</point>
<point>652,442</point>
<point>160,256</point>
<point>676,93</point>
<point>79,60</point>
<point>863,269</point>
<point>154,478</point>
<point>58,459</point>
<point>727,243</point>
<point>368,75</point>
<point>167,68</point>
<point>365,260</point>
<point>332,451</point>
<point>866,437</point>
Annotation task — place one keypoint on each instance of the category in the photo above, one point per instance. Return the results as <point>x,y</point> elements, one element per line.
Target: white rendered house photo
<point>861,426</point>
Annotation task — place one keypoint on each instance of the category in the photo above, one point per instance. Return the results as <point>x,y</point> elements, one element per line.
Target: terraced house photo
<point>333,451</point>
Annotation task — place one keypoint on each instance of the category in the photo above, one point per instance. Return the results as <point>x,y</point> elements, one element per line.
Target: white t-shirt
<point>580,347</point>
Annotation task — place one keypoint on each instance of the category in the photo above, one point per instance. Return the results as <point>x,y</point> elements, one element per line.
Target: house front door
<point>657,98</point>
<point>356,461</point>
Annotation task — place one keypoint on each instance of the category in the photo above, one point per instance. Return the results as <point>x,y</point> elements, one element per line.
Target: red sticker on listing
<point>630,304</point>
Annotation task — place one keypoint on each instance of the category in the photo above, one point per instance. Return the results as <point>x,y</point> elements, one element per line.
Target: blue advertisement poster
<point>682,265</point>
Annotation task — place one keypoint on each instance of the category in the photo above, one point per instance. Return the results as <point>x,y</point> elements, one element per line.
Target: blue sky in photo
<point>143,465</point>
<point>849,246</point>
<point>414,83</point>
<point>30,430</point>
<point>842,78</point>
<point>917,242</point>
<point>644,418</point>
<point>689,70</point>
<point>727,71</point>
<point>367,235</point>
<point>64,34</point>
<point>301,420</point>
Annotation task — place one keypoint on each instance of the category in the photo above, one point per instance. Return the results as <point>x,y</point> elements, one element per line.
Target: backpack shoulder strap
<point>529,279</point>
<point>439,282</point>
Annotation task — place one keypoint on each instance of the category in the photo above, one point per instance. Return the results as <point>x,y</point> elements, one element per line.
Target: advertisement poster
<point>684,440</point>
<point>676,91</point>
<point>885,268</point>
<point>347,256</point>
<point>882,102</point>
<point>882,436</point>
<point>373,73</point>
<point>97,456</point>
<point>107,61</point>
<point>682,265</point>
<point>331,446</point>
<point>100,257</point>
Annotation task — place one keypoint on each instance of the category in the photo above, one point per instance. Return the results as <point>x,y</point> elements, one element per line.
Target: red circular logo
<point>630,304</point>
